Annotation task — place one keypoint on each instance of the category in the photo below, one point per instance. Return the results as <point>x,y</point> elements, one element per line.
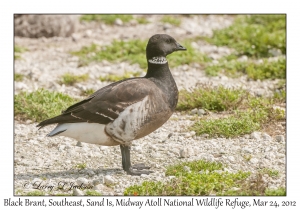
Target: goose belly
<point>92,133</point>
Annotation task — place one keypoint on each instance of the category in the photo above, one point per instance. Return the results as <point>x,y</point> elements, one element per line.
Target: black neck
<point>158,70</point>
<point>161,75</point>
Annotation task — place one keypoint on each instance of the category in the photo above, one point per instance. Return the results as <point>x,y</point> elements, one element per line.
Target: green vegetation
<point>254,35</point>
<point>115,78</point>
<point>71,79</point>
<point>214,99</point>
<point>255,117</point>
<point>187,57</point>
<point>35,193</point>
<point>236,125</point>
<point>106,18</point>
<point>92,193</point>
<point>18,77</point>
<point>111,18</point>
<point>247,113</point>
<point>280,96</point>
<point>81,165</point>
<point>17,51</point>
<point>278,192</point>
<point>63,194</point>
<point>270,172</point>
<point>87,92</point>
<point>142,20</point>
<point>40,105</point>
<point>265,70</point>
<point>176,21</point>
<point>199,165</point>
<point>203,178</point>
<point>133,51</point>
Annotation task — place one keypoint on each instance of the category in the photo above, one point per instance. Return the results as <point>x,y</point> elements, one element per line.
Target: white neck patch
<point>158,60</point>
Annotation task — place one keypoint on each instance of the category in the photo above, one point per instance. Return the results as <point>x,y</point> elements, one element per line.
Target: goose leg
<point>135,170</point>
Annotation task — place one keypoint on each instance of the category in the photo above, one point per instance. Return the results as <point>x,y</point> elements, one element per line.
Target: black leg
<point>126,164</point>
<point>123,157</point>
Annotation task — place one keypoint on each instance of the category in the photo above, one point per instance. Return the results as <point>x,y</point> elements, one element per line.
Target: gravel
<point>35,159</point>
<point>53,161</point>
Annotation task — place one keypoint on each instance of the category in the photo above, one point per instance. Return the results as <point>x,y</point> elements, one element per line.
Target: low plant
<point>234,68</point>
<point>18,77</point>
<point>211,98</point>
<point>40,105</point>
<point>176,21</point>
<point>18,50</point>
<point>71,79</point>
<point>106,18</point>
<point>35,193</point>
<point>115,78</point>
<point>133,51</point>
<point>92,193</point>
<point>81,165</point>
<point>254,35</point>
<point>202,179</point>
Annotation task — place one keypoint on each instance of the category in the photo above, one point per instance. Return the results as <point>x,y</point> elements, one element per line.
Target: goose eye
<point>168,41</point>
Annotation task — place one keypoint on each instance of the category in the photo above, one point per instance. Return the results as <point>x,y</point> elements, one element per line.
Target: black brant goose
<point>126,110</point>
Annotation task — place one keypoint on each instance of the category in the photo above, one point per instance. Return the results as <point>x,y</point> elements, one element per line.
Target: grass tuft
<point>197,165</point>
<point>87,92</point>
<point>18,77</point>
<point>254,35</point>
<point>133,51</point>
<point>115,78</point>
<point>106,18</point>
<point>214,99</point>
<point>191,183</point>
<point>248,113</point>
<point>63,194</point>
<point>264,70</point>
<point>142,20</point>
<point>92,193</point>
<point>270,172</point>
<point>267,70</point>
<point>71,79</point>
<point>204,178</point>
<point>232,126</point>
<point>81,165</point>
<point>189,56</point>
<point>35,193</point>
<point>17,51</point>
<point>276,192</point>
<point>40,105</point>
<point>171,20</point>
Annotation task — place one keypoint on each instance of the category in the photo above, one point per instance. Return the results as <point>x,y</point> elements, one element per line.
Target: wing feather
<point>106,104</point>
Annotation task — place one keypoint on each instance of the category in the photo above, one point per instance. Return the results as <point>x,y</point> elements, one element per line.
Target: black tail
<point>64,118</point>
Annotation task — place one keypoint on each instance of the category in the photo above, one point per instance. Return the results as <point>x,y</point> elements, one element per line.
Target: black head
<point>161,45</point>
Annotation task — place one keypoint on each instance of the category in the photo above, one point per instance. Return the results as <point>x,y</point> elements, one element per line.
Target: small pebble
<point>82,180</point>
<point>201,112</point>
<point>194,111</point>
<point>255,135</point>
<point>253,160</point>
<point>108,180</point>
<point>79,144</point>
<point>279,138</point>
<point>77,192</point>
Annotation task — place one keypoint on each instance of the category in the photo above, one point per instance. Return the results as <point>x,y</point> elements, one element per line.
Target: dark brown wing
<point>105,105</point>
